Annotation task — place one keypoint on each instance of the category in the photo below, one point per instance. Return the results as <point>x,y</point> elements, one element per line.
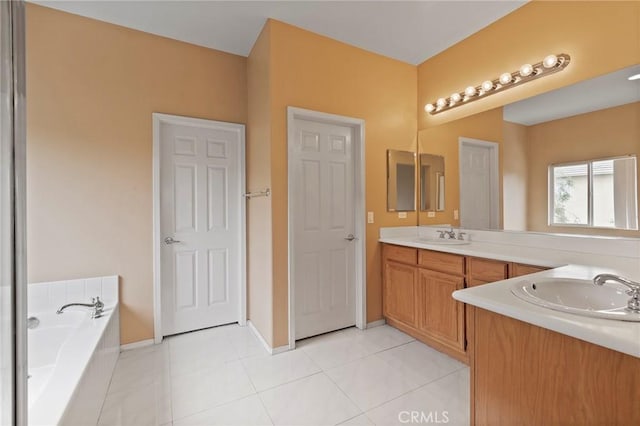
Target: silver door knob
<point>170,240</point>
<point>350,237</point>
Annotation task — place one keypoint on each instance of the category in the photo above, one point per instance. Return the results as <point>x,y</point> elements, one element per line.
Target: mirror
<point>590,122</point>
<point>401,181</point>
<point>431,182</point>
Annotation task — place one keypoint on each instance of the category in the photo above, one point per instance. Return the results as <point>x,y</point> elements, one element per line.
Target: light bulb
<point>470,91</point>
<point>441,102</point>
<point>429,108</point>
<point>505,78</point>
<point>487,85</point>
<point>526,70</point>
<point>550,61</point>
<point>456,97</point>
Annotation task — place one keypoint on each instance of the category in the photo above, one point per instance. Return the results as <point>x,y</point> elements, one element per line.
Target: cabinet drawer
<point>472,282</point>
<point>520,269</point>
<point>400,254</point>
<point>443,262</point>
<point>487,270</point>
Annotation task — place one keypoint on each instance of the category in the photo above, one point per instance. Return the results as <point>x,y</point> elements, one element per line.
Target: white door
<point>323,227</point>
<point>201,224</point>
<point>478,197</point>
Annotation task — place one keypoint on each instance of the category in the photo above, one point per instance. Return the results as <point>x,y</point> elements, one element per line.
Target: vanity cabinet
<point>416,296</point>
<point>526,375</point>
<point>520,269</point>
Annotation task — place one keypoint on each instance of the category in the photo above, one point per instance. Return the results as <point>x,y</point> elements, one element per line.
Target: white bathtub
<point>71,355</point>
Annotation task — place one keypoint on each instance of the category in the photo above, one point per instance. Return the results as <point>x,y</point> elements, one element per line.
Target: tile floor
<point>223,376</point>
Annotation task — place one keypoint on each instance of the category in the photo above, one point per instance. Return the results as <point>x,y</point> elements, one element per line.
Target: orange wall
<point>600,37</point>
<point>607,133</point>
<point>259,235</point>
<point>514,176</point>
<point>314,72</point>
<point>443,140</point>
<point>92,87</point>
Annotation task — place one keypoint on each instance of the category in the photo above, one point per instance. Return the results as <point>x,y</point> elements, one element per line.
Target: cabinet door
<point>439,314</point>
<point>399,295</point>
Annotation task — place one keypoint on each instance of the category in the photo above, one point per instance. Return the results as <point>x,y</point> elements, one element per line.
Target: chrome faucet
<point>451,234</point>
<point>96,304</point>
<point>633,304</point>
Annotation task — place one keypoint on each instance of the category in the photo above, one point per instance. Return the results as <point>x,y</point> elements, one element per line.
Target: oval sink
<point>575,296</point>
<point>442,241</point>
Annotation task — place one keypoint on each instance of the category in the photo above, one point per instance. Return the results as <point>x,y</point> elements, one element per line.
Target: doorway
<point>479,184</point>
<point>326,223</point>
<point>199,224</point>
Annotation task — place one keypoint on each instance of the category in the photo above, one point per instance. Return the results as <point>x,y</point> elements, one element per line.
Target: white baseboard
<point>268,348</point>
<point>376,323</point>
<point>136,345</point>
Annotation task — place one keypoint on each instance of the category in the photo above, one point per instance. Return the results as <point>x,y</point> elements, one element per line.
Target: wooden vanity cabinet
<point>520,269</point>
<point>417,297</point>
<point>399,289</point>
<point>416,294</point>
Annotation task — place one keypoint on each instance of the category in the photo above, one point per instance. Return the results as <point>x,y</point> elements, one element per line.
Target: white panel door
<point>201,229</point>
<point>323,226</point>
<point>475,187</point>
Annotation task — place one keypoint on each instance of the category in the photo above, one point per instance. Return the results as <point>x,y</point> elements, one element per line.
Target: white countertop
<point>621,336</point>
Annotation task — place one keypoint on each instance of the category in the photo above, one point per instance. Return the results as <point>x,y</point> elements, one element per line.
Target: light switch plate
<point>431,214</point>
<point>369,217</point>
<point>402,215</point>
<point>456,215</point>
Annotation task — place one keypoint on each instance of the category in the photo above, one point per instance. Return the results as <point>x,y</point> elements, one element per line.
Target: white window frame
<point>589,163</point>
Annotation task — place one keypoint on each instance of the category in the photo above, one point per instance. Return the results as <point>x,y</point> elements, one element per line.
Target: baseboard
<point>376,323</point>
<point>136,345</point>
<point>268,348</point>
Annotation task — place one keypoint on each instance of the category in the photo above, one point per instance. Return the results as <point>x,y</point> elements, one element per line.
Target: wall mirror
<point>562,165</point>
<point>401,181</point>
<point>431,175</point>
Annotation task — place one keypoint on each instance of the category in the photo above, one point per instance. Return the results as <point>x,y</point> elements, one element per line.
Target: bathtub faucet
<point>96,304</point>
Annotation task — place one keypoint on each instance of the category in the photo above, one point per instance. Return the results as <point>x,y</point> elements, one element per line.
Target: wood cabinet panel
<point>472,282</point>
<point>442,262</point>
<point>399,296</point>
<point>400,254</point>
<point>520,269</point>
<point>439,314</point>
<point>486,269</point>
<point>527,375</point>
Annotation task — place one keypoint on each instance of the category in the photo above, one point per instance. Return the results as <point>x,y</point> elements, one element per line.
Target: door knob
<point>350,237</point>
<point>170,240</point>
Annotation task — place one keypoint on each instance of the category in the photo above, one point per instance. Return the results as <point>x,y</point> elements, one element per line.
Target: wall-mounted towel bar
<point>264,193</point>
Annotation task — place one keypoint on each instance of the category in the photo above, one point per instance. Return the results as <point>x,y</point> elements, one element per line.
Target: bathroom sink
<point>442,241</point>
<point>580,297</point>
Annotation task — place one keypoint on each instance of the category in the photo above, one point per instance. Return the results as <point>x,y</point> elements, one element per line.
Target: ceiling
<point>598,93</point>
<point>410,31</point>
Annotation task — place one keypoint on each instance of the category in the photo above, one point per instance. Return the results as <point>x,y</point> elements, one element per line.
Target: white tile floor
<point>223,376</point>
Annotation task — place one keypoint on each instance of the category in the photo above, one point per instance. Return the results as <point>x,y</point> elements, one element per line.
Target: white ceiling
<point>411,31</point>
<point>598,93</point>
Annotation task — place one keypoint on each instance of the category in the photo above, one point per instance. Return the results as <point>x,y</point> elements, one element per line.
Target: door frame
<point>494,161</point>
<point>294,113</point>
<point>158,119</point>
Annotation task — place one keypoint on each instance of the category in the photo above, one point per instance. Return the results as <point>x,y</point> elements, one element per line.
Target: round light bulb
<point>441,102</point>
<point>550,61</point>
<point>456,97</point>
<point>526,70</point>
<point>487,85</point>
<point>470,91</point>
<point>506,78</point>
<point>429,108</point>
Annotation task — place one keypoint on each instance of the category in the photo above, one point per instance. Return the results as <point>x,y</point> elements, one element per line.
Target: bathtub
<point>71,356</point>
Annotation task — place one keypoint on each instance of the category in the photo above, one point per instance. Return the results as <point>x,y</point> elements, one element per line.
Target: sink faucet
<point>96,304</point>
<point>633,304</point>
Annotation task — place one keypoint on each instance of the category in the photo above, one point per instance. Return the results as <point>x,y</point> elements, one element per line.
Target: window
<point>598,193</point>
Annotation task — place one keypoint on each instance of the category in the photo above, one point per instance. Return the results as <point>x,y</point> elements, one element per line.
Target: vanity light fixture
<point>551,64</point>
<point>634,77</point>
